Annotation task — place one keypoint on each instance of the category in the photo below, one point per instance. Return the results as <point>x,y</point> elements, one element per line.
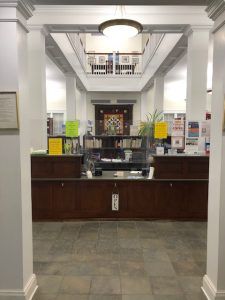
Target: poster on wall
<point>178,128</point>
<point>72,128</point>
<point>55,146</point>
<point>177,142</point>
<point>193,129</point>
<point>161,130</point>
<point>205,129</point>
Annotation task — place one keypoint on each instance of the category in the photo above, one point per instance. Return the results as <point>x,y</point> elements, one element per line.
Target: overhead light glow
<point>120,28</point>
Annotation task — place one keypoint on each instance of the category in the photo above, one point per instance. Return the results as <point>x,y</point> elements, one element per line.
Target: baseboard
<point>26,294</point>
<point>210,291</point>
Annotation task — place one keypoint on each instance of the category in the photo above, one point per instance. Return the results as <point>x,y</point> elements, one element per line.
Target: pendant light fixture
<point>120,28</point>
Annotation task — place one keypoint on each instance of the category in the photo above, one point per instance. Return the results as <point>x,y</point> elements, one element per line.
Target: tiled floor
<point>125,260</point>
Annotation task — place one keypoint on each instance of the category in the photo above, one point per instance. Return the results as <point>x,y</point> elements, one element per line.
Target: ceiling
<point>120,2</point>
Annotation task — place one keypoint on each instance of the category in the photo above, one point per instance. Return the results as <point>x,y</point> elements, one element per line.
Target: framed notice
<point>8,110</point>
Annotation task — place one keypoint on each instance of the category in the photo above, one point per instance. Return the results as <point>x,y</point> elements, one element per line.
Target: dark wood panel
<point>198,169</point>
<point>168,167</point>
<point>64,199</point>
<point>197,199</point>
<point>141,197</point>
<point>42,201</point>
<point>170,200</point>
<point>183,167</point>
<point>56,167</point>
<point>94,197</point>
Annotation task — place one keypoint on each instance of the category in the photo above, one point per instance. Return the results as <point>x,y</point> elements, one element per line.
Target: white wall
<point>113,97</point>
<point>55,87</point>
<point>104,44</point>
<point>149,102</point>
<point>175,85</point>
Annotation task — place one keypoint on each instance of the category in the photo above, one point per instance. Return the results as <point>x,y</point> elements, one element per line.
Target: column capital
<point>42,28</point>
<point>24,7</point>
<point>197,28</point>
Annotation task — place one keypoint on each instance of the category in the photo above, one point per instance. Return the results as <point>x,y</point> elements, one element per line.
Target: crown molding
<point>25,7</point>
<point>215,9</point>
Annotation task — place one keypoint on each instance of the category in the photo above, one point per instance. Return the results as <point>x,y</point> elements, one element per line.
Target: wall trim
<point>210,290</point>
<point>15,21</point>
<point>215,9</point>
<point>26,294</point>
<point>25,7</point>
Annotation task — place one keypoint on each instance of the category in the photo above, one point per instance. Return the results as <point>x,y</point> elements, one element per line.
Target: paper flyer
<point>205,129</point>
<point>161,131</point>
<point>72,128</point>
<point>177,142</point>
<point>55,146</point>
<point>178,128</point>
<point>191,145</point>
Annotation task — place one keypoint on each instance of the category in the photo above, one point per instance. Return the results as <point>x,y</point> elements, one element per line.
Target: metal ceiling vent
<point>100,101</point>
<point>124,101</point>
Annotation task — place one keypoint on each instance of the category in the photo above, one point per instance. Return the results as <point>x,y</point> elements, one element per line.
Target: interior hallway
<point>124,260</point>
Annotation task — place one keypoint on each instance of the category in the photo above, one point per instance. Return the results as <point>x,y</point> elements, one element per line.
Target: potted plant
<point>147,127</point>
<point>68,148</point>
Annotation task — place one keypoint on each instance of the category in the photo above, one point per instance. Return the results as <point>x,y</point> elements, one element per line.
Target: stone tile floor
<point>119,260</point>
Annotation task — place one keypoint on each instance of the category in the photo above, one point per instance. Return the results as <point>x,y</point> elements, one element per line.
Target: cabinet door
<point>94,198</point>
<point>141,199</point>
<point>170,200</point>
<point>197,199</point>
<point>42,200</point>
<point>64,199</point>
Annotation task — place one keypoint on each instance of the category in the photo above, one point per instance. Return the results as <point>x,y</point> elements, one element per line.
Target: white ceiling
<point>120,2</point>
<point>85,18</point>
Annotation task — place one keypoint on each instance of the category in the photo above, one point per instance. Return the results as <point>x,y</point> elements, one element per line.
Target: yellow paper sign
<point>161,129</point>
<point>55,146</point>
<point>72,128</point>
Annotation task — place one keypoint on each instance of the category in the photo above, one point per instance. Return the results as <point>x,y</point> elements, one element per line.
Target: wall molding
<point>24,7</point>
<point>26,294</point>
<point>215,9</point>
<point>210,290</point>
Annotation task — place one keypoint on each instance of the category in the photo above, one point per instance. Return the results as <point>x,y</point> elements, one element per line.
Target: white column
<point>214,280</point>
<point>37,86</point>
<point>158,94</point>
<point>83,115</point>
<point>70,98</point>
<point>114,62</point>
<point>144,105</point>
<point>197,62</point>
<point>17,280</point>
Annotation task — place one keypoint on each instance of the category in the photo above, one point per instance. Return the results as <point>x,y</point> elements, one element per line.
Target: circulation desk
<point>179,190</point>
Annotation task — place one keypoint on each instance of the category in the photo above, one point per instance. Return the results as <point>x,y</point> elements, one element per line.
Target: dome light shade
<point>120,28</point>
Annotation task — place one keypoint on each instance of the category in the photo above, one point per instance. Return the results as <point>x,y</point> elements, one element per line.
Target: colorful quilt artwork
<point>113,123</point>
